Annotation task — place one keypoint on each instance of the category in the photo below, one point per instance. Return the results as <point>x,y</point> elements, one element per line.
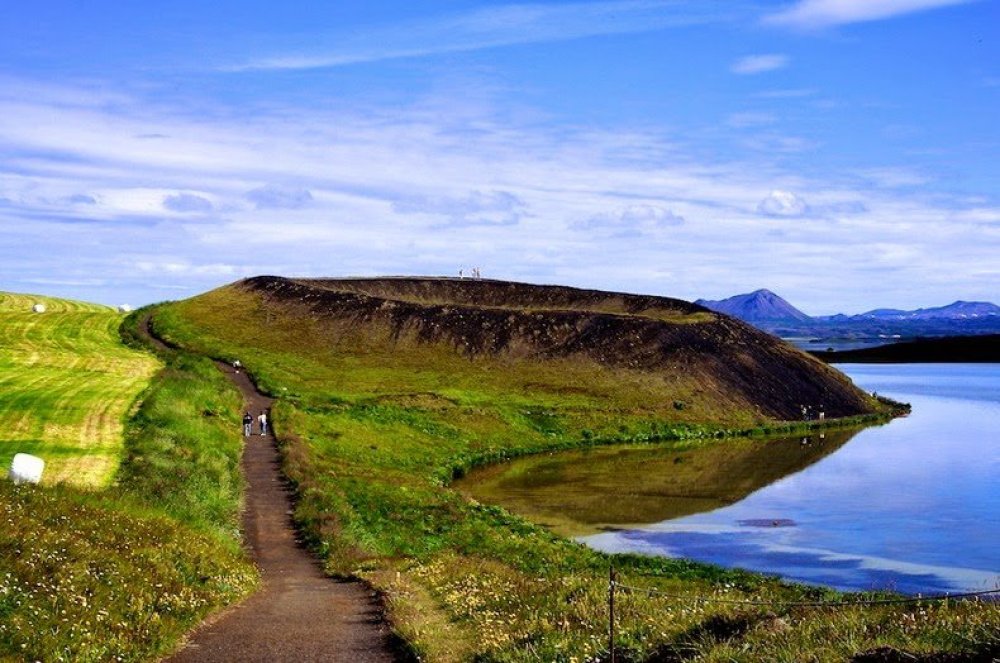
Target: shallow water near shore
<point>912,506</point>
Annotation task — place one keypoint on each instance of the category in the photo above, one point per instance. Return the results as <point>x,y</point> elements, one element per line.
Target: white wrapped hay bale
<point>38,308</point>
<point>26,468</point>
<point>124,308</point>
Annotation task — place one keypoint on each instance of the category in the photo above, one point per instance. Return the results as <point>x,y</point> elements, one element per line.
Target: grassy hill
<point>389,388</point>
<point>99,563</point>
<point>66,385</point>
<point>580,351</point>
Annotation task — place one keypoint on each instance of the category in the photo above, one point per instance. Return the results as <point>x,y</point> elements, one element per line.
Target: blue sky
<point>842,153</point>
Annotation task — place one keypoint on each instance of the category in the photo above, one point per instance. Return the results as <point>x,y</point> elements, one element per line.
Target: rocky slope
<point>517,322</point>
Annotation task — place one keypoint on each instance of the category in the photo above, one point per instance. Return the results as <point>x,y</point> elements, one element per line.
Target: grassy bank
<point>122,573</point>
<point>184,446</point>
<point>372,437</point>
<point>66,386</point>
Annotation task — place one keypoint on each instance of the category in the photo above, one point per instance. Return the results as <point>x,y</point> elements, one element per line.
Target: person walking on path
<point>320,619</point>
<point>262,420</point>
<point>247,424</point>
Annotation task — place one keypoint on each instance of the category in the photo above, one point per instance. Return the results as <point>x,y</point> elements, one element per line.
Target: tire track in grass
<point>66,383</point>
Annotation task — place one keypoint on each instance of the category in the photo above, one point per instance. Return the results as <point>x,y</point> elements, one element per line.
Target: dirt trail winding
<point>299,614</point>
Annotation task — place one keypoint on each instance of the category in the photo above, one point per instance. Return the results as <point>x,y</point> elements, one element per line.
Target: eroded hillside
<point>654,353</point>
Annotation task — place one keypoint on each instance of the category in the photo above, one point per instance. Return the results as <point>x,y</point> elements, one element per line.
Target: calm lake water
<point>912,506</point>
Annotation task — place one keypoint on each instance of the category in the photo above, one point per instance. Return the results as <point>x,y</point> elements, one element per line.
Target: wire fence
<point>806,604</point>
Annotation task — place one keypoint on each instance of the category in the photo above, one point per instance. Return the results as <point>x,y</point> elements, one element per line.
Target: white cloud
<point>744,120</point>
<point>277,197</point>
<point>648,214</point>
<point>894,177</point>
<point>131,199</point>
<point>185,268</point>
<point>758,64</point>
<point>81,199</point>
<point>476,208</point>
<point>187,202</point>
<point>782,203</point>
<point>495,26</point>
<point>791,93</point>
<point>813,14</point>
<point>423,191</point>
<point>776,143</point>
<point>632,220</point>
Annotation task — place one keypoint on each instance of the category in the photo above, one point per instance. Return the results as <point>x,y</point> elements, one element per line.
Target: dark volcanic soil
<point>300,614</point>
<point>634,332</point>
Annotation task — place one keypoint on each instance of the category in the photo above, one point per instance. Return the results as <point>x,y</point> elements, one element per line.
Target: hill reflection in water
<point>578,493</point>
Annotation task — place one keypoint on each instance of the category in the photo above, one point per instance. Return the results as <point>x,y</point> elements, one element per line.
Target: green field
<point>119,570</point>
<point>66,386</point>
<point>373,432</point>
<point>372,437</point>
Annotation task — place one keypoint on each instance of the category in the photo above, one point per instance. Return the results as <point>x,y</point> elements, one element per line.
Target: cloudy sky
<point>843,153</point>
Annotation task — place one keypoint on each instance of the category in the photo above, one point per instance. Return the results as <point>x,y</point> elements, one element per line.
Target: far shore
<point>948,349</point>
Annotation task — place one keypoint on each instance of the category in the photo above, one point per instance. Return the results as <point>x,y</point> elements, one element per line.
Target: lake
<point>912,506</point>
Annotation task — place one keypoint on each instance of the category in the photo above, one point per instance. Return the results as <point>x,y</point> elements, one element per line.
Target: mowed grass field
<point>99,570</point>
<point>66,385</point>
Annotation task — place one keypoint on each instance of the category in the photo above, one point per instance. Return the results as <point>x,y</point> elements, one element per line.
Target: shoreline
<point>946,350</point>
<point>677,433</point>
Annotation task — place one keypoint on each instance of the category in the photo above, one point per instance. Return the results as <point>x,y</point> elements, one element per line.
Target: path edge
<point>400,648</point>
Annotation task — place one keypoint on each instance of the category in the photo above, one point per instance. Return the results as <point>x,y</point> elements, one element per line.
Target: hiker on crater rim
<point>247,424</point>
<point>262,420</point>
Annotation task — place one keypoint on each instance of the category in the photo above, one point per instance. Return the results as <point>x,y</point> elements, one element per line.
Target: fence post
<point>611,613</point>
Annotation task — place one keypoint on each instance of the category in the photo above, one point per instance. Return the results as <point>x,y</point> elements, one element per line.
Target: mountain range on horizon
<point>767,310</point>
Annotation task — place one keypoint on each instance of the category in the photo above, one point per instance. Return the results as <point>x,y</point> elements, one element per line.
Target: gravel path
<point>299,614</point>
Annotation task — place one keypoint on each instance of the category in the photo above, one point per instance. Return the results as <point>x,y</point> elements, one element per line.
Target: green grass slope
<point>66,386</point>
<point>381,402</point>
<point>121,573</point>
<point>494,341</point>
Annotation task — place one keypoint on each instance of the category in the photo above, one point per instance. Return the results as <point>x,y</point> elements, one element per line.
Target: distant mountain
<point>956,311</point>
<point>760,306</point>
<point>769,312</point>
